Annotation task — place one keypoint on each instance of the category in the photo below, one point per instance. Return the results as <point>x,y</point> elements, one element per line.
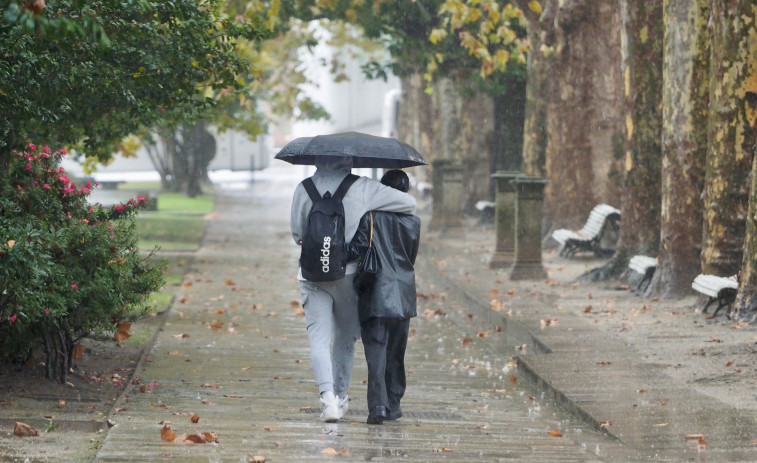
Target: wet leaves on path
<point>24,430</point>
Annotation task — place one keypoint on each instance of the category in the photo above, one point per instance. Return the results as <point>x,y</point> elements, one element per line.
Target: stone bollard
<point>504,219</point>
<point>528,211</point>
<point>447,213</point>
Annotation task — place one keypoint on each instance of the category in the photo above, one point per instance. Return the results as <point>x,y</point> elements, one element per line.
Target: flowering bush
<point>68,268</point>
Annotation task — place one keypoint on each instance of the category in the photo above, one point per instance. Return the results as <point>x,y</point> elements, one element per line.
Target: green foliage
<point>68,269</point>
<point>86,74</point>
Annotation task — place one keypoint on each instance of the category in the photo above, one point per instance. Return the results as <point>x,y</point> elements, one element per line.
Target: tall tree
<point>584,111</point>
<point>541,36</point>
<point>684,144</point>
<point>642,36</point>
<point>739,28</point>
<point>729,144</point>
<point>86,74</point>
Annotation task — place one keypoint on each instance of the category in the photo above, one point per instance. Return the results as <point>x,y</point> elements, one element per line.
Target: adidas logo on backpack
<point>324,252</point>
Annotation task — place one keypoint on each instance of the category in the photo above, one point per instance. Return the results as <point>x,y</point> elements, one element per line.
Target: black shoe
<point>394,414</point>
<point>377,415</point>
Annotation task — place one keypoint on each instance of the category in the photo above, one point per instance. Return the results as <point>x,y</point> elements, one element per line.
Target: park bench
<point>644,266</point>
<point>719,289</point>
<point>587,238</point>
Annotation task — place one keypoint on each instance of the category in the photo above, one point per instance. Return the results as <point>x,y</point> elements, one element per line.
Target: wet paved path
<point>233,350</point>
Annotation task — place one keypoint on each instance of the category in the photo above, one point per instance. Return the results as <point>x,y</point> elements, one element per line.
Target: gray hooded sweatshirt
<point>364,195</point>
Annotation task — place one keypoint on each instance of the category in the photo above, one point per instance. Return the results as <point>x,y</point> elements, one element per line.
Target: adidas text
<point>325,252</point>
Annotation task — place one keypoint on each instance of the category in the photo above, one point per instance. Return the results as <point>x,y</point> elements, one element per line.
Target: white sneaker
<point>344,404</point>
<point>330,412</point>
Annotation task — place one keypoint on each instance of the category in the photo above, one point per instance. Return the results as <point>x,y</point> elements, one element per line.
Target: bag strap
<point>311,189</point>
<point>345,185</point>
<point>370,238</point>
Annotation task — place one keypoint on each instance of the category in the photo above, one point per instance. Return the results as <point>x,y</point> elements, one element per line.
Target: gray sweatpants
<point>331,315</point>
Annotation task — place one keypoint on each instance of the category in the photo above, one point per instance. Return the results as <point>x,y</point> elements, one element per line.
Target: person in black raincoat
<point>385,308</point>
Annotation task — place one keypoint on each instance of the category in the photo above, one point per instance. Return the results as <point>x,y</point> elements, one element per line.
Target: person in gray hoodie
<point>331,311</point>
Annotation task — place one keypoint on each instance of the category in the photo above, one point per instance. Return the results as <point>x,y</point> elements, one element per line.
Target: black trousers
<point>384,342</point>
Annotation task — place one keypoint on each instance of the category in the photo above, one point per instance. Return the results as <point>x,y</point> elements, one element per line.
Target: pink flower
<point>32,147</point>
<point>46,186</point>
<point>110,228</point>
<point>141,199</point>
<point>74,286</point>
<point>68,215</point>
<point>63,151</point>
<point>47,312</point>
<point>13,319</point>
<point>28,167</point>
<point>46,149</point>
<point>118,208</point>
<point>90,210</point>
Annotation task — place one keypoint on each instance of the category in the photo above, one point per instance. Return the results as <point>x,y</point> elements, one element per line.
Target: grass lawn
<point>177,225</point>
<point>177,229</point>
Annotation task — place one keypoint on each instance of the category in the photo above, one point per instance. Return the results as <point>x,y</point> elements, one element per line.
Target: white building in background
<point>355,104</point>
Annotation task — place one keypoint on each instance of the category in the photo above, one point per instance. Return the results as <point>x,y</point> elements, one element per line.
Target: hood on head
<point>334,163</point>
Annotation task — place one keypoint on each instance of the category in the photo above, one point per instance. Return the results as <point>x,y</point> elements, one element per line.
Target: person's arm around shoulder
<point>380,197</point>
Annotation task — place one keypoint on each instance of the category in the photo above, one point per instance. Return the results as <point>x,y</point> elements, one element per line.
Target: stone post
<point>447,213</point>
<point>452,199</point>
<point>437,198</point>
<point>528,211</point>
<point>504,219</point>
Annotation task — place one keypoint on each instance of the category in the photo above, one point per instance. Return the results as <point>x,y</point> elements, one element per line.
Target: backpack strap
<point>311,189</point>
<point>345,185</point>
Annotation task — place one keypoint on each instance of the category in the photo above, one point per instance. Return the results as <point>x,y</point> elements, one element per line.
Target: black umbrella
<point>365,150</point>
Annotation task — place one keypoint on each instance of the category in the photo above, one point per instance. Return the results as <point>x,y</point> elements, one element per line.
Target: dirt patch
<point>71,418</point>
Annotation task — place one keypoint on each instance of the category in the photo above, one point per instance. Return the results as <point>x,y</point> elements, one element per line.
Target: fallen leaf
<point>587,309</point>
<point>143,388</point>
<point>181,335</point>
<point>555,433</point>
<point>183,299</point>
<point>78,351</point>
<point>482,334</point>
<point>513,379</point>
<point>605,424</point>
<point>193,417</point>
<point>467,341</point>
<point>216,325</point>
<point>256,459</point>
<point>24,430</point>
<point>230,282</point>
<point>729,364</point>
<point>167,434</point>
<point>212,385</point>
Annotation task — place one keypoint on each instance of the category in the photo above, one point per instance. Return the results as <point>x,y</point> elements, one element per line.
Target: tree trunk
<point>684,145</point>
<point>507,138</point>
<point>584,115</point>
<point>729,152</point>
<point>642,38</point>
<point>538,88</point>
<point>415,122</point>
<point>739,28</point>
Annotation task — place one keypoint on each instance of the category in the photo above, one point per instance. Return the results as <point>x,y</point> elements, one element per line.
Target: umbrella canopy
<point>365,150</point>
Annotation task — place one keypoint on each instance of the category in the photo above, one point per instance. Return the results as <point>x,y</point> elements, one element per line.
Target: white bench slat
<point>711,285</point>
<point>641,264</point>
<point>591,228</point>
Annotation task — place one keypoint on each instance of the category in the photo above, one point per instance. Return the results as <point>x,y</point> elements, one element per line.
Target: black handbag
<point>368,266</point>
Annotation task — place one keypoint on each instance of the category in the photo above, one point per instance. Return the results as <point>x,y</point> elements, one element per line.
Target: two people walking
<point>334,310</point>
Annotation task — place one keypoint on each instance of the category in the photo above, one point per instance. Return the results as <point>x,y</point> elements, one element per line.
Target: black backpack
<point>324,253</point>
